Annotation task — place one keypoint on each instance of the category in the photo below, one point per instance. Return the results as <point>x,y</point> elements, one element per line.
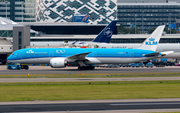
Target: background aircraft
<point>103,37</point>
<point>86,58</point>
<point>160,48</point>
<point>103,41</point>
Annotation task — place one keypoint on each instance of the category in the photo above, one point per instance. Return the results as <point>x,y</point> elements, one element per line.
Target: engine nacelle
<point>58,62</point>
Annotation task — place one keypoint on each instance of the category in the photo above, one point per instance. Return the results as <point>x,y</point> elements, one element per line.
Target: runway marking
<point>142,104</point>
<point>85,79</point>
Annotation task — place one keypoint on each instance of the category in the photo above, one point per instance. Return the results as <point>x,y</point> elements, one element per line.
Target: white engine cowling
<point>58,62</point>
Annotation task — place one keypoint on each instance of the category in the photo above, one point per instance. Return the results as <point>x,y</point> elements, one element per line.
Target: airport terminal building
<point>99,11</point>
<point>18,10</point>
<point>145,14</point>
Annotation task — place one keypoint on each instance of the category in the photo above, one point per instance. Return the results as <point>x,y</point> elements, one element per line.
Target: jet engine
<point>58,62</point>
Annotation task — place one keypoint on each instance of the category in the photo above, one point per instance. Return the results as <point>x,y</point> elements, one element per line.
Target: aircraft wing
<point>78,57</point>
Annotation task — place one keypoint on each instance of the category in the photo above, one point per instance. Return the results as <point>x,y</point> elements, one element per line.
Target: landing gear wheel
<point>91,67</point>
<point>26,67</point>
<point>79,68</point>
<point>18,68</point>
<point>9,67</point>
<point>82,68</point>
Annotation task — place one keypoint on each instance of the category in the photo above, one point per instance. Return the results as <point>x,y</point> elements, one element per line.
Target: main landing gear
<point>86,67</point>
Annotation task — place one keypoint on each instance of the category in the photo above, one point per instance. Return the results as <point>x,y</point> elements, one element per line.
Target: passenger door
<point>131,54</point>
<point>94,54</point>
<point>50,54</point>
<point>20,54</point>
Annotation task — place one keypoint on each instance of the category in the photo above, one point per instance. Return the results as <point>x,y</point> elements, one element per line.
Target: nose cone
<point>9,58</point>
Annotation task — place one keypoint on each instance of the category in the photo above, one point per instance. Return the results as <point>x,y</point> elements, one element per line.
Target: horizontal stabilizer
<point>159,54</point>
<point>166,53</point>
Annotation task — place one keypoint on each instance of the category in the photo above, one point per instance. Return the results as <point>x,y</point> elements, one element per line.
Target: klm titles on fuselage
<point>151,42</point>
<point>31,52</point>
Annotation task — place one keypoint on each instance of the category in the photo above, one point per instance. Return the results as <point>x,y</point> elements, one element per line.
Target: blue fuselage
<point>43,55</point>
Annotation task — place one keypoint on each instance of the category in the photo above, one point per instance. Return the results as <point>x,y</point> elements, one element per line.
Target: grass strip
<point>89,90</point>
<point>165,112</point>
<point>90,83</point>
<point>92,75</point>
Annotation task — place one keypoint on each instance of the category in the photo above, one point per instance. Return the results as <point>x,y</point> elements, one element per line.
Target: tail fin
<point>151,43</point>
<point>106,33</point>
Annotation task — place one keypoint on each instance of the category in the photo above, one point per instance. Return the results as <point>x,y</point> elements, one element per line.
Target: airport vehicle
<point>14,66</point>
<point>17,66</point>
<point>163,62</point>
<point>168,63</point>
<point>140,64</point>
<point>85,58</point>
<point>113,66</point>
<point>134,65</point>
<point>149,65</point>
<point>125,65</point>
<point>137,65</point>
<point>160,64</point>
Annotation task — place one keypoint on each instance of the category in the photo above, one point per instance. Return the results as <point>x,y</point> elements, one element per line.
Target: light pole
<point>6,8</point>
<point>142,21</point>
<point>135,22</point>
<point>170,22</point>
<point>22,11</point>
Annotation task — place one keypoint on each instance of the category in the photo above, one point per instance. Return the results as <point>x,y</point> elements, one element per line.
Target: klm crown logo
<point>30,51</point>
<point>151,39</point>
<point>151,42</point>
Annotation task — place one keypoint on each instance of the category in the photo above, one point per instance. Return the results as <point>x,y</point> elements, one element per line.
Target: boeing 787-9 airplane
<point>86,58</point>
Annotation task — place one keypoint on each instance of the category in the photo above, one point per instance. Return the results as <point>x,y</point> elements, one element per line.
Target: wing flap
<point>166,53</point>
<point>81,56</point>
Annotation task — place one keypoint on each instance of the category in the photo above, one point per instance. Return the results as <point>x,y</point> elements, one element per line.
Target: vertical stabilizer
<point>106,33</point>
<point>152,42</point>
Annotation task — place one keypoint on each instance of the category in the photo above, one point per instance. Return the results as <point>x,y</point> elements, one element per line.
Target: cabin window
<point>122,53</point>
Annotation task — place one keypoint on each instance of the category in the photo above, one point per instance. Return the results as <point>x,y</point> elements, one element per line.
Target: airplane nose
<point>8,59</point>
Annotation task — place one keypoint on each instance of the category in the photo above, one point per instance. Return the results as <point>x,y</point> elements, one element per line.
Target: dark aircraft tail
<point>106,33</point>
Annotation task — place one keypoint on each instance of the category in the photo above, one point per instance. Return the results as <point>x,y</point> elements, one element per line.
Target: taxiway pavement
<point>73,70</point>
<point>90,106</point>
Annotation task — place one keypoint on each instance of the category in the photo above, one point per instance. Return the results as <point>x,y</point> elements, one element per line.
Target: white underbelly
<point>91,60</point>
<point>121,60</point>
<point>33,61</point>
